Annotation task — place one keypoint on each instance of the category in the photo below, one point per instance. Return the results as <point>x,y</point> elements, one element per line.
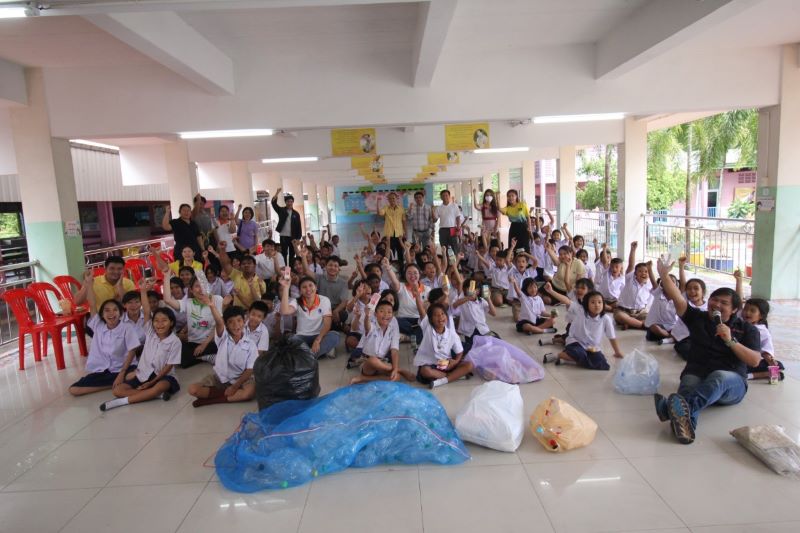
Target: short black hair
<point>267,242</point>
<point>258,305</point>
<point>287,197</point>
<point>383,303</point>
<point>154,294</point>
<point>184,205</point>
<point>419,193</point>
<point>114,259</point>
<point>585,282</point>
<point>188,269</point>
<point>588,296</point>
<point>102,307</point>
<point>763,308</point>
<point>616,261</point>
<point>247,258</point>
<point>333,258</point>
<point>527,282</point>
<point>176,281</point>
<point>736,300</point>
<point>435,294</point>
<point>213,268</point>
<point>233,311</point>
<point>129,296</point>
<point>167,312</point>
<point>433,307</point>
<point>386,293</point>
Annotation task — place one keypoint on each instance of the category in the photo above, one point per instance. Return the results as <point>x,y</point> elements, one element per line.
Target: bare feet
<point>358,379</point>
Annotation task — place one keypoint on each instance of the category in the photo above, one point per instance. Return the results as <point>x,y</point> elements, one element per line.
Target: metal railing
<point>710,243</point>
<point>600,225</point>
<point>95,258</point>
<point>14,276</point>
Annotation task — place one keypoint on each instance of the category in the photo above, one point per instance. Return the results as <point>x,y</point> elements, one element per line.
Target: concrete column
<point>242,183</point>
<point>46,186</point>
<point>529,183</point>
<point>775,251</point>
<point>504,185</point>
<point>322,198</point>
<point>565,183</point>
<point>312,213</point>
<point>632,186</point>
<point>542,188</point>
<point>181,175</point>
<point>331,204</point>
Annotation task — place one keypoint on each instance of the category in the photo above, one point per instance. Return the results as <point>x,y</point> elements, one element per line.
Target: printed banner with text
<point>444,158</point>
<point>353,142</point>
<point>463,137</point>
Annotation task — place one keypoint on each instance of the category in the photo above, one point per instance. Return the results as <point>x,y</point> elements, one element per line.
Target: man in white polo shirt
<point>449,216</point>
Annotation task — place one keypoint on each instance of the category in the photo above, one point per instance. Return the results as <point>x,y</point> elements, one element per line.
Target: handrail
<point>127,245</point>
<point>16,282</point>
<point>17,266</point>
<point>714,219</point>
<point>595,212</point>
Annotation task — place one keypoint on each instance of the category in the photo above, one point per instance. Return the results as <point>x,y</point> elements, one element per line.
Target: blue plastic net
<point>292,442</point>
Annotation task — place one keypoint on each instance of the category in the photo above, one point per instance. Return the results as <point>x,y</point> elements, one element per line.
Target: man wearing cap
<point>288,227</point>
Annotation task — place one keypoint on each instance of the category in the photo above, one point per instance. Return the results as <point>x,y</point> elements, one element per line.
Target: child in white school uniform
<point>497,271</point>
<point>755,311</point>
<point>154,374</point>
<point>661,318</point>
<point>255,329</point>
<point>609,279</point>
<point>113,341</point>
<point>472,309</point>
<point>132,302</point>
<point>582,287</point>
<point>381,347</point>
<point>435,361</point>
<point>586,336</point>
<point>533,317</point>
<point>232,379</point>
<point>522,270</point>
<point>588,266</point>
<point>635,298</point>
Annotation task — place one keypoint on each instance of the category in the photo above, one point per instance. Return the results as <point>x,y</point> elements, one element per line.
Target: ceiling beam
<point>168,39</point>
<point>13,88</point>
<point>656,28</point>
<point>433,23</point>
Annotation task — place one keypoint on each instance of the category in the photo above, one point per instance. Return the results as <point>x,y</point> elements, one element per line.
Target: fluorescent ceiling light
<point>501,150</point>
<point>555,119</point>
<point>219,134</point>
<point>290,159</point>
<point>13,12</point>
<point>94,144</point>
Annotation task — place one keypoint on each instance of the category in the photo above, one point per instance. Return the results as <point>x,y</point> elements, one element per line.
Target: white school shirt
<point>532,307</point>
<point>434,283</point>
<point>435,346</point>
<point>635,295</point>
<point>265,266</point>
<point>260,336</point>
<point>589,331</point>
<point>573,310</point>
<point>766,340</point>
<point>158,353</point>
<point>407,303</point>
<point>662,312</point>
<point>515,274</point>
<point>309,322</point>
<point>609,287</point>
<point>199,317</point>
<point>378,343</point>
<point>233,358</point>
<point>138,325</point>
<point>473,316</point>
<point>447,215</point>
<point>110,346</point>
<point>537,251</point>
<point>588,267</point>
<point>219,288</point>
<point>680,331</point>
<point>499,276</point>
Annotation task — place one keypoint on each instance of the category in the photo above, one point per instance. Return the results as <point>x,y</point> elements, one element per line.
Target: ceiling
<point>139,72</point>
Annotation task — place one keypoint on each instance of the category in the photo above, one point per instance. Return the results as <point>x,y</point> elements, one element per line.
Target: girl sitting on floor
<point>472,309</point>
<point>582,287</point>
<point>755,311</point>
<point>533,317</point>
<point>154,375</point>
<point>586,335</point>
<point>437,365</point>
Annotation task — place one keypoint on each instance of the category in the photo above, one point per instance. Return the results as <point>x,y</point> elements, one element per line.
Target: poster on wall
<point>353,142</point>
<point>463,137</point>
<point>365,200</point>
<point>746,194</point>
<point>367,163</point>
<point>433,169</point>
<point>444,158</point>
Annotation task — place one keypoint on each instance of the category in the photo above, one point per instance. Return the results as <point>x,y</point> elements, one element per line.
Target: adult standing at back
<point>394,225</point>
<point>489,210</point>
<point>288,227</point>
<point>247,232</point>
<point>517,212</point>
<point>202,218</point>
<point>421,217</point>
<point>184,229</point>
<point>227,228</point>
<point>449,216</point>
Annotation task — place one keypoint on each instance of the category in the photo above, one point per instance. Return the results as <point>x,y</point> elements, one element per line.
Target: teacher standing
<point>517,213</point>
<point>288,227</point>
<point>449,216</point>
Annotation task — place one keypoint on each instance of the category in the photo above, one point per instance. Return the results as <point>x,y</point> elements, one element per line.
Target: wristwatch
<point>731,342</point>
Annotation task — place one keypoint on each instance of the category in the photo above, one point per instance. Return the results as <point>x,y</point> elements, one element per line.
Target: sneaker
<point>331,354</point>
<point>355,363</point>
<point>549,358</point>
<point>438,383</point>
<point>668,340</point>
<point>661,407</point>
<point>166,396</point>
<point>210,358</point>
<point>541,343</point>
<point>550,330</point>
<point>680,418</point>
<point>103,406</point>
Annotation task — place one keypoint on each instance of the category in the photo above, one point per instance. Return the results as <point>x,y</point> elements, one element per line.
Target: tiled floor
<point>65,466</point>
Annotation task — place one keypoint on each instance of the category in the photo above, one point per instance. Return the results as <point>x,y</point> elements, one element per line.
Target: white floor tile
<point>144,419</point>
<point>607,495</point>
<point>781,527</point>
<point>217,418</point>
<point>531,451</point>
<point>20,455</point>
<point>155,509</point>
<point>219,510</point>
<point>490,498</point>
<point>41,512</point>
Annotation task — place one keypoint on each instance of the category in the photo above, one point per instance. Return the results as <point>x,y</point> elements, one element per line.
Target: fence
<point>14,276</point>
<point>600,225</point>
<point>715,244</point>
<point>94,258</point>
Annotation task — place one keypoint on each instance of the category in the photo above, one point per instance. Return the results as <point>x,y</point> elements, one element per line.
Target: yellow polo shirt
<point>244,296</point>
<point>103,290</point>
<point>518,212</point>
<point>175,266</point>
<point>394,216</point>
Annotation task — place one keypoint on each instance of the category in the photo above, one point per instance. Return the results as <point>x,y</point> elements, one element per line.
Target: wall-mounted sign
<point>463,137</point>
<point>444,158</point>
<point>353,142</point>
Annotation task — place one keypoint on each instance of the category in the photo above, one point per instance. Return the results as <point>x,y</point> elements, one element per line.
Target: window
<point>515,179</point>
<point>10,225</point>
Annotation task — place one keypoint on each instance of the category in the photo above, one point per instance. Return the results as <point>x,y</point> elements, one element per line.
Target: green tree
<point>741,208</point>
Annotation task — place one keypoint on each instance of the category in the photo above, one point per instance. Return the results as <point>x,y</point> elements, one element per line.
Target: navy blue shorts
<point>97,379</point>
<point>586,359</point>
<point>173,383</point>
<point>521,323</point>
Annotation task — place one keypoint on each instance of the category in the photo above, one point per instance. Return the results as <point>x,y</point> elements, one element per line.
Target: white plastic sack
<point>496,359</point>
<point>637,373</point>
<point>493,417</point>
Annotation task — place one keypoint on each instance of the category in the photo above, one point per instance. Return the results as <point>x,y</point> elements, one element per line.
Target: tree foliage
<point>741,208</point>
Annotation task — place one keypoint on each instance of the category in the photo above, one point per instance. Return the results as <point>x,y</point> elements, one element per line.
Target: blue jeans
<point>410,326</point>
<point>720,386</point>
<point>329,342</point>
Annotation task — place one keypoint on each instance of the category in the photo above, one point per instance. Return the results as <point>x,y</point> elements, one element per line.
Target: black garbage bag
<point>288,371</point>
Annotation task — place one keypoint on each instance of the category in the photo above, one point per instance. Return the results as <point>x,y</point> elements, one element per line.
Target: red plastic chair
<point>17,300</point>
<point>98,271</point>
<point>55,323</point>
<point>134,268</point>
<point>65,284</point>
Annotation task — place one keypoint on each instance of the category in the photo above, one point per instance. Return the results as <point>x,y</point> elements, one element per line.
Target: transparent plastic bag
<point>771,445</point>
<point>495,359</point>
<point>292,442</point>
<point>558,426</point>
<point>493,417</point>
<point>637,373</point>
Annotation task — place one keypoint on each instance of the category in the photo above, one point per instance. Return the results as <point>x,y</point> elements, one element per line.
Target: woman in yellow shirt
<point>517,213</point>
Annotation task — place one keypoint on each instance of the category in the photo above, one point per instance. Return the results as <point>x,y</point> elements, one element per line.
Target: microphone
<point>717,317</point>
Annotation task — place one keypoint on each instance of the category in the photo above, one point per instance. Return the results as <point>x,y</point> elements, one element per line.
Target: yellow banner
<point>353,142</point>
<point>369,163</point>
<point>444,158</point>
<point>433,169</point>
<point>461,137</point>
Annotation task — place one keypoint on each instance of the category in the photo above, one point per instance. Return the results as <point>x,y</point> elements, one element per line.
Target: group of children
<point>439,302</point>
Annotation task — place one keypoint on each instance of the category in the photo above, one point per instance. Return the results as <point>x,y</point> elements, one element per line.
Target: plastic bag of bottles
<point>773,446</point>
<point>637,373</point>
<point>495,359</point>
<point>288,371</point>
<point>493,417</point>
<point>292,442</point>
<point>558,426</point>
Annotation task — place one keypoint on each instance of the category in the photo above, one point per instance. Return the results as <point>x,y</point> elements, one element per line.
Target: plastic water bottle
<point>203,280</point>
